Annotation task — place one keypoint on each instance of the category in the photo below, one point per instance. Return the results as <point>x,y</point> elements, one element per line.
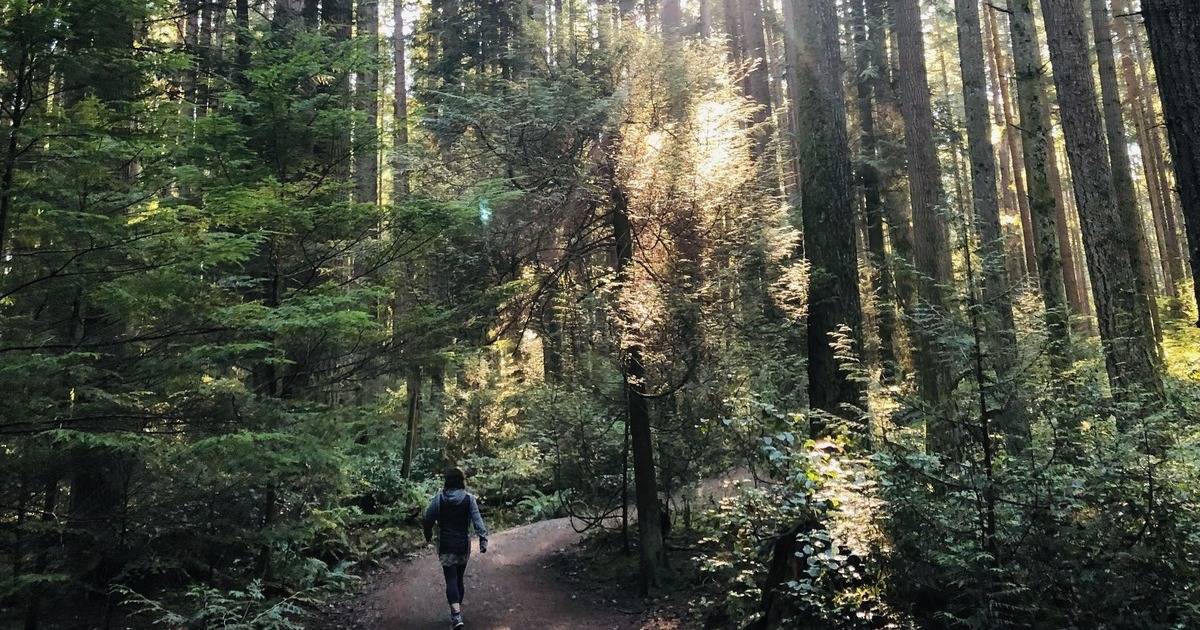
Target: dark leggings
<point>454,582</point>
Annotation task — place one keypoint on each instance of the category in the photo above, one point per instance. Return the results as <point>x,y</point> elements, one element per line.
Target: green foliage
<point>828,579</point>
<point>1094,522</point>
<point>205,336</point>
<point>539,506</point>
<point>238,609</point>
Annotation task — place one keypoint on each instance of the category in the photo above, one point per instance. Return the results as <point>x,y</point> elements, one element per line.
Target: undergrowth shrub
<point>1096,524</point>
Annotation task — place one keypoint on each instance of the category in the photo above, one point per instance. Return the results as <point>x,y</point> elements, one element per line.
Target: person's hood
<point>455,496</point>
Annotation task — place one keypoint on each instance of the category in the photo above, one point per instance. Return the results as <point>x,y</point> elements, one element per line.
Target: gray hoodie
<point>452,510</point>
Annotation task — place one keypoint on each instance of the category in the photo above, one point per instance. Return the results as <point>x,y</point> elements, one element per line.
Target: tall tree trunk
<point>338,16</point>
<point>18,104</point>
<point>1013,143</point>
<point>1141,114</point>
<point>1012,180</point>
<point>826,210</point>
<point>671,16</point>
<point>1173,26</point>
<point>241,42</point>
<point>1118,155</point>
<point>869,179</point>
<point>1158,161</point>
<point>1128,347</point>
<point>931,234</point>
<point>705,19</point>
<point>755,52</point>
<point>399,106</point>
<point>899,222</point>
<point>1072,258</point>
<point>998,320</point>
<point>412,419</point>
<point>33,607</point>
<point>1035,141</point>
<point>650,535</point>
<point>734,33</point>
<point>204,52</point>
<point>366,92</point>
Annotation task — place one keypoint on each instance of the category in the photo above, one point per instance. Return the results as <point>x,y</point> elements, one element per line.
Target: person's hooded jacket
<point>453,511</point>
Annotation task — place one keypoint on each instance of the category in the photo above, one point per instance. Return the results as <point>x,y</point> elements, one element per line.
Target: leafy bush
<point>777,541</point>
<point>1100,528</point>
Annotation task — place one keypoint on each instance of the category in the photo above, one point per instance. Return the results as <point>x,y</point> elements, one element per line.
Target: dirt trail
<point>512,587</point>
<point>516,585</point>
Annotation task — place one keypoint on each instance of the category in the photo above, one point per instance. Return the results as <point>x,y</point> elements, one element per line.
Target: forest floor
<point>532,577</point>
<point>529,578</point>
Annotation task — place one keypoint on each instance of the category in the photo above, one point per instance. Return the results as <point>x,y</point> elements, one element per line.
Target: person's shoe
<point>456,620</point>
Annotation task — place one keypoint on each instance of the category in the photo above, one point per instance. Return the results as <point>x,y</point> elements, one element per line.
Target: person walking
<point>452,510</point>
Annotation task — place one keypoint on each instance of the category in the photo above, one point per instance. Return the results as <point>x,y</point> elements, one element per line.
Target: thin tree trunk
<point>1001,111</point>
<point>338,16</point>
<point>869,179</point>
<point>1035,141</point>
<point>18,104</point>
<point>1128,347</point>
<point>650,535</point>
<point>412,420</point>
<point>1137,105</point>
<point>1013,142</point>
<point>1158,160</point>
<point>241,42</point>
<point>1118,155</point>
<point>204,50</point>
<point>898,220</point>
<point>366,92</point>
<point>400,182</point>
<point>734,33</point>
<point>33,606</point>
<point>998,321</point>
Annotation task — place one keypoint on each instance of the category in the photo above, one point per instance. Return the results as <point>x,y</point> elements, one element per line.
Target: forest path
<point>519,584</point>
<point>514,586</point>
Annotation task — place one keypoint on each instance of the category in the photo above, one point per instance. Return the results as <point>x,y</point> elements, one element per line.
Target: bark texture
<point>997,302</point>
<point>1118,155</point>
<point>1174,28</point>
<point>1035,142</point>
<point>931,240</point>
<point>826,210</point>
<point>869,179</point>
<point>366,93</point>
<point>1129,350</point>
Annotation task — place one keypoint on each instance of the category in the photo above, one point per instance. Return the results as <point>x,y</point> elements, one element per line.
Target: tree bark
<point>1013,145</point>
<point>412,420</point>
<point>366,92</point>
<point>1035,141</point>
<point>1128,347</point>
<point>1136,100</point>
<point>931,233</point>
<point>899,223</point>
<point>997,303</point>
<point>1118,155</point>
<point>400,181</point>
<point>1012,181</point>
<point>1173,26</point>
<point>338,16</point>
<point>869,179</point>
<point>650,535</point>
<point>826,209</point>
